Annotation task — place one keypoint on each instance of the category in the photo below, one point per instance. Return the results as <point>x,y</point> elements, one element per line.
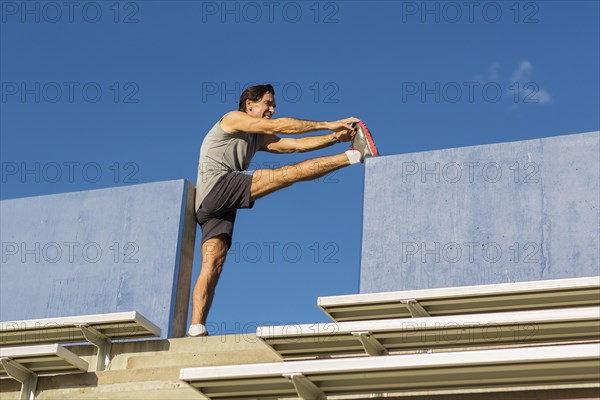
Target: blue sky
<point>131,88</point>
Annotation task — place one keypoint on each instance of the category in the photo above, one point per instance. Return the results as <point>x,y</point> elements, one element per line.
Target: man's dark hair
<point>255,93</point>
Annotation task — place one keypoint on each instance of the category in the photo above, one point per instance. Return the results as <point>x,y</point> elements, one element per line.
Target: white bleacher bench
<point>520,296</point>
<point>546,367</point>
<point>98,329</point>
<point>24,364</point>
<point>395,335</point>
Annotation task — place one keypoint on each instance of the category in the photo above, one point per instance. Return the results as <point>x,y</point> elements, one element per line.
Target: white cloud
<point>523,72</point>
<point>543,97</point>
<point>529,89</point>
<point>521,88</point>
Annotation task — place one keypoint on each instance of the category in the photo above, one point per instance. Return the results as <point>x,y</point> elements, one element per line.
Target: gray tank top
<point>222,153</point>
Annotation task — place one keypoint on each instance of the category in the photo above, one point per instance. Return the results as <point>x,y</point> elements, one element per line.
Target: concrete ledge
<point>498,213</point>
<point>141,239</point>
<point>147,369</point>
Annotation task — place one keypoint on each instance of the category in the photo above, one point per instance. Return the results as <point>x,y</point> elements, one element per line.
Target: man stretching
<point>224,184</point>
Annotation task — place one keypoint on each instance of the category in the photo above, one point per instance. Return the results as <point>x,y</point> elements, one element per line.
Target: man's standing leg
<point>214,251</point>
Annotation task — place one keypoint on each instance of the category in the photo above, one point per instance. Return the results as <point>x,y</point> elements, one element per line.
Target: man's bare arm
<point>275,144</point>
<point>238,121</point>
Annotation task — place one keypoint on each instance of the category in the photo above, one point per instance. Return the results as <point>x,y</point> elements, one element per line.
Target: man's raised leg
<point>265,181</point>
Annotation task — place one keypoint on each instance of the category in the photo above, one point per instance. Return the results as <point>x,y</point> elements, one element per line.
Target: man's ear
<point>248,105</point>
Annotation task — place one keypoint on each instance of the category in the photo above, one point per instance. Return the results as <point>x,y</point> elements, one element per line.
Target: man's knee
<point>214,251</point>
<point>214,267</point>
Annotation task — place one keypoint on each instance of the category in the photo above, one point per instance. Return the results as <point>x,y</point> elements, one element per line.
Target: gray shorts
<point>216,214</point>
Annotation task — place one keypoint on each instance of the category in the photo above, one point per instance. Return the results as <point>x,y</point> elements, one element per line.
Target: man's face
<point>264,108</point>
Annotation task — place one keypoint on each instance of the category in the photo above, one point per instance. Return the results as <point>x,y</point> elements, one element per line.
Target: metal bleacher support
<point>527,368</point>
<point>376,338</point>
<point>520,296</point>
<point>530,337</point>
<point>24,364</point>
<point>29,355</point>
<point>99,330</point>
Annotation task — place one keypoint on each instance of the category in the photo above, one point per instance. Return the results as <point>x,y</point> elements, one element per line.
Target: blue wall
<point>487,214</point>
<point>99,251</point>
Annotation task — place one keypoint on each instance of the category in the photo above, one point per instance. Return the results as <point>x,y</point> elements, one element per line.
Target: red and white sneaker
<point>363,142</point>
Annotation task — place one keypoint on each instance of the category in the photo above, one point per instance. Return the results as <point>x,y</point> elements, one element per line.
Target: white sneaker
<point>197,330</point>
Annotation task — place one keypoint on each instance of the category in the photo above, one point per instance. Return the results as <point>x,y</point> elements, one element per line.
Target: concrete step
<point>147,369</point>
